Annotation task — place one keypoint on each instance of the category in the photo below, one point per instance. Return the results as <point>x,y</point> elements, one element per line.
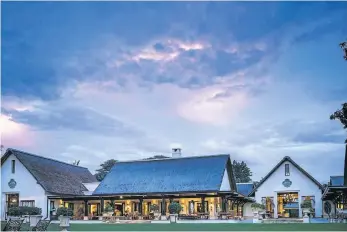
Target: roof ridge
<point>171,158</point>
<point>27,153</point>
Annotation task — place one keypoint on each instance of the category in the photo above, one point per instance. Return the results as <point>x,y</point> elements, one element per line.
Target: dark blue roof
<point>244,188</point>
<point>292,205</point>
<point>336,180</point>
<point>53,175</point>
<point>190,174</point>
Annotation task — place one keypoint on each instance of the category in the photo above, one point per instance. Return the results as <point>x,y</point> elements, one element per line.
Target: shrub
<point>154,208</point>
<point>306,204</point>
<point>257,206</point>
<point>109,208</point>
<point>62,211</point>
<point>175,208</point>
<point>14,211</point>
<point>24,210</point>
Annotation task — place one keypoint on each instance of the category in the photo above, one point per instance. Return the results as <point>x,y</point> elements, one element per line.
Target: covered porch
<point>195,206</point>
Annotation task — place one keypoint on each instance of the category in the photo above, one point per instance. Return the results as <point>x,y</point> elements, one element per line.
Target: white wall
<point>300,183</point>
<point>247,210</point>
<point>225,186</point>
<point>27,186</point>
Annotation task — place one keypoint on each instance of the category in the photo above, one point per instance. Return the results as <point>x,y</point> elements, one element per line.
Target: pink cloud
<point>15,134</point>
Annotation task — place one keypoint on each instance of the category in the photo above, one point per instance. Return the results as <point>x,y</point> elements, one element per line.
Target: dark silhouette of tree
<point>105,169</point>
<point>2,148</point>
<point>157,157</point>
<point>242,172</point>
<point>343,45</point>
<point>341,115</point>
<point>76,162</point>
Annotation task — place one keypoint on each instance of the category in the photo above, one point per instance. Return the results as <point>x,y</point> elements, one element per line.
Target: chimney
<point>176,152</point>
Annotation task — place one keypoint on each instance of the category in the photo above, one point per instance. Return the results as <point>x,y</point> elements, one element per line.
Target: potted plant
<point>109,210</point>
<point>64,215</point>
<point>174,209</point>
<point>155,210</point>
<point>306,207</point>
<point>256,208</point>
<point>14,213</point>
<point>34,214</point>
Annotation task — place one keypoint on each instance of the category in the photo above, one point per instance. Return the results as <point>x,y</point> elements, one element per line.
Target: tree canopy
<point>105,168</point>
<point>242,172</point>
<point>341,115</point>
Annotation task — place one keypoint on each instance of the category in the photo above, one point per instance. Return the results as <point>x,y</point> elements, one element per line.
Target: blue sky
<point>93,81</point>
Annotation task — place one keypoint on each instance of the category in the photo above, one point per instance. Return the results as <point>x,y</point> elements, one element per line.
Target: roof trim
<point>170,158</point>
<point>4,157</point>
<point>286,158</point>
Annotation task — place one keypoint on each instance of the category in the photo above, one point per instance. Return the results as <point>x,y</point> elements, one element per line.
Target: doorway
<point>12,200</point>
<point>288,205</point>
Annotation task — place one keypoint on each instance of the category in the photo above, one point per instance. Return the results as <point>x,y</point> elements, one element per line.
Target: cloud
<point>15,134</point>
<point>205,76</point>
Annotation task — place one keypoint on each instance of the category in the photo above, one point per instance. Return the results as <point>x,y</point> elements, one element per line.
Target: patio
<point>95,226</point>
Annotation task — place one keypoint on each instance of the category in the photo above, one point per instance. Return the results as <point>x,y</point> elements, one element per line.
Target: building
<point>203,185</point>
<point>29,180</point>
<point>284,188</point>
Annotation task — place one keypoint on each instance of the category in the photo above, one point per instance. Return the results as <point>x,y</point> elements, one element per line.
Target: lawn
<point>200,227</point>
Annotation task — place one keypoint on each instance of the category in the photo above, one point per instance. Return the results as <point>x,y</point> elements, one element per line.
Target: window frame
<point>286,170</point>
<point>30,203</point>
<point>13,166</point>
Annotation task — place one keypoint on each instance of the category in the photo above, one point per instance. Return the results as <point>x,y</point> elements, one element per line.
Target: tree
<point>242,172</point>
<point>76,162</point>
<point>343,45</point>
<point>2,148</point>
<point>105,169</point>
<point>157,157</point>
<point>341,115</point>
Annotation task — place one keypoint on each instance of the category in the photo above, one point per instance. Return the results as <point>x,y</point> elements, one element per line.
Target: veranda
<point>221,205</point>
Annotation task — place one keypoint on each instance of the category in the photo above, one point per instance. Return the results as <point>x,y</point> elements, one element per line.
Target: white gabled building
<point>285,187</point>
<point>28,180</point>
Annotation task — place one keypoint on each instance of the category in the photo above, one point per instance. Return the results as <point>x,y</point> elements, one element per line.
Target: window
<point>13,166</point>
<point>29,203</point>
<point>287,173</point>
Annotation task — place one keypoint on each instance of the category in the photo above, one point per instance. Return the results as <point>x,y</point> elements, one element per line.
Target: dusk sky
<point>93,81</point>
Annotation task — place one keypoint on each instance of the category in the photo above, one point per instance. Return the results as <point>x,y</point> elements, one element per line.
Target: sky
<point>92,81</point>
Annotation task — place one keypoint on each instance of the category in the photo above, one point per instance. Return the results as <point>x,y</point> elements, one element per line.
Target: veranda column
<point>140,206</point>
<point>85,209</point>
<point>203,204</point>
<point>223,204</point>
<point>102,203</point>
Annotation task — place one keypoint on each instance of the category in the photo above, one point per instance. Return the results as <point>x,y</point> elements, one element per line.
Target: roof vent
<point>176,152</point>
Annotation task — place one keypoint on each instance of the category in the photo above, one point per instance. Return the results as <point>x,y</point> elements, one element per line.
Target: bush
<point>175,208</point>
<point>154,208</point>
<point>24,210</point>
<point>62,211</point>
<point>306,204</point>
<point>14,211</point>
<point>257,206</point>
<point>108,208</point>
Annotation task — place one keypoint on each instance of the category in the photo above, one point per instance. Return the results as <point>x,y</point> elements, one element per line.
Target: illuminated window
<point>30,203</point>
<point>286,167</point>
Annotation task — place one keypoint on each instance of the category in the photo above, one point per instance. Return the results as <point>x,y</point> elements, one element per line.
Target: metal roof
<point>336,181</point>
<point>244,188</point>
<point>189,174</point>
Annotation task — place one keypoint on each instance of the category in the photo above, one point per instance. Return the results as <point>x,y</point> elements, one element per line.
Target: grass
<point>199,227</point>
